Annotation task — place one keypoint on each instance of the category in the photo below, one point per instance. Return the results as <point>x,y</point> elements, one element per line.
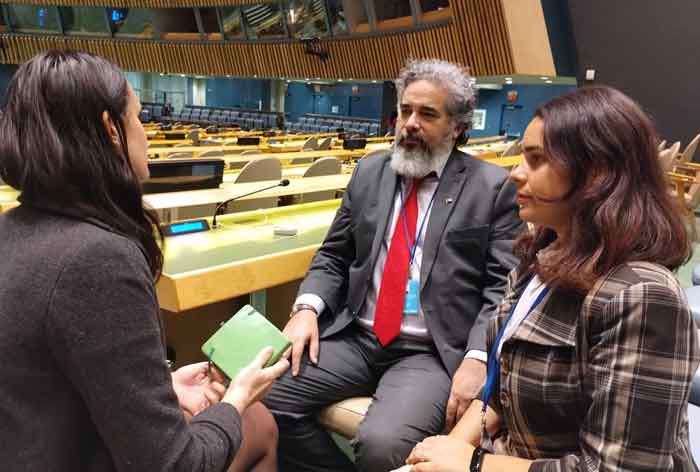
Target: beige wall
<point>529,42</point>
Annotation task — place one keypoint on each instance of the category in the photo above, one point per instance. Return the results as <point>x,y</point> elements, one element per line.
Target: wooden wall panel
<point>476,36</point>
<point>529,40</point>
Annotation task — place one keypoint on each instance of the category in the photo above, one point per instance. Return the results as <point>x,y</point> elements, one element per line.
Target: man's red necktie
<point>389,310</point>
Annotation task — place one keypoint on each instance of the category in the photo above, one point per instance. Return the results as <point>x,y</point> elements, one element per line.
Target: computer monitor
<point>354,143</point>
<point>248,141</point>
<point>183,174</point>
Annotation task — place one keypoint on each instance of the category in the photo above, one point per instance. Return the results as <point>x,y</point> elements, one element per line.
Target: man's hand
<point>302,329</point>
<point>194,388</point>
<point>467,381</point>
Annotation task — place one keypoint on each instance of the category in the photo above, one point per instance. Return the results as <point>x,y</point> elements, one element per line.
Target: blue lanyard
<point>493,368</point>
<point>402,215</point>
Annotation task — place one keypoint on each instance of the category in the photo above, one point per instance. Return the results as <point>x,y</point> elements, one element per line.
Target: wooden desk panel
<point>242,256</point>
<point>487,139</point>
<point>508,161</point>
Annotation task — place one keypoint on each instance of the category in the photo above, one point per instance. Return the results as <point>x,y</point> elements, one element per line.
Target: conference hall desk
<point>158,139</point>
<point>488,149</point>
<point>163,135</point>
<point>287,157</point>
<point>168,142</point>
<point>507,161</point>
<point>203,201</point>
<point>288,171</point>
<point>281,151</point>
<point>297,137</point>
<point>290,146</point>
<point>207,276</point>
<point>487,139</point>
<point>155,152</point>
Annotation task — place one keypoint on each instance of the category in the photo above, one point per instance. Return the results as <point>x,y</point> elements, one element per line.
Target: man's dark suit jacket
<point>467,252</point>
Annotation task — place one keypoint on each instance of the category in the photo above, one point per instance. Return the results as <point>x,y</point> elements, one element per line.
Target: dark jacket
<point>84,385</point>
<point>467,252</point>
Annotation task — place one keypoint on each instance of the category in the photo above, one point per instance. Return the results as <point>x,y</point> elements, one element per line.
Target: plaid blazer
<point>599,382</point>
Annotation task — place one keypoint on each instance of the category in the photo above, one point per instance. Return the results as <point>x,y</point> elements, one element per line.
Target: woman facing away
<point>592,351</point>
<point>85,385</point>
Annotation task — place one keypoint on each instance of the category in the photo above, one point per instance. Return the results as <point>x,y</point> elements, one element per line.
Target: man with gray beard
<point>396,301</point>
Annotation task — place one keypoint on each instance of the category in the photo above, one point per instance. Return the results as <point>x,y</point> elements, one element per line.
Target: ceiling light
<point>548,81</point>
<point>544,78</point>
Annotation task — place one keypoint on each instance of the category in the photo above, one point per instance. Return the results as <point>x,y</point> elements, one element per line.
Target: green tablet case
<point>241,338</point>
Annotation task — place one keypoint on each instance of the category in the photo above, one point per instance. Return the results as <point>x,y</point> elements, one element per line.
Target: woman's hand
<point>441,453</point>
<point>254,381</point>
<point>195,389</point>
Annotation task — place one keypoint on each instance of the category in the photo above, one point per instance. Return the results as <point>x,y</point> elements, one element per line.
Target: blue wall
<point>520,114</point>
<point>220,91</point>
<point>366,103</point>
<point>244,93</point>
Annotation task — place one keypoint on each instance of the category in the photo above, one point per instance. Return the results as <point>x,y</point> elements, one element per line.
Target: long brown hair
<point>55,148</point>
<point>623,211</point>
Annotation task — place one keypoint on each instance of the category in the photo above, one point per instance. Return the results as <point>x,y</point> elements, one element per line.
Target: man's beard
<point>421,159</point>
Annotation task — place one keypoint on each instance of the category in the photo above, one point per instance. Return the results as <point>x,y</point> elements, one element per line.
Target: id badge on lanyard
<point>411,301</point>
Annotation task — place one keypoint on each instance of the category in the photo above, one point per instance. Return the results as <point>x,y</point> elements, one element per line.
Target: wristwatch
<point>302,306</point>
<point>477,459</point>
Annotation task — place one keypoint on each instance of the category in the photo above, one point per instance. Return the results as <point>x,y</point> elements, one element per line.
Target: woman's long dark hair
<point>622,210</point>
<point>55,149</point>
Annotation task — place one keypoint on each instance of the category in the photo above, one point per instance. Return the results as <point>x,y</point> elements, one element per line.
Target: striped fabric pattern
<point>600,382</point>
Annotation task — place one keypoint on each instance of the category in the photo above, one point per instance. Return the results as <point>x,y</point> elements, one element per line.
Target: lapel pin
<point>448,200</point>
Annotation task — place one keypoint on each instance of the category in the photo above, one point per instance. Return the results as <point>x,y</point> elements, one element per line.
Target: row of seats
<point>150,112</point>
<point>211,116</point>
<point>245,119</point>
<point>311,124</point>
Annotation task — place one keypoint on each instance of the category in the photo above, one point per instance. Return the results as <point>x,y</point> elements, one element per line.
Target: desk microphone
<point>220,206</point>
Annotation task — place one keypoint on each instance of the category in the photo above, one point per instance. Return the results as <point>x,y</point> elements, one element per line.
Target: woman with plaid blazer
<point>593,349</point>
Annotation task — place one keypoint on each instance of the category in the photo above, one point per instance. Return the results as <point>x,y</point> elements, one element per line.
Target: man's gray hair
<point>455,78</point>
